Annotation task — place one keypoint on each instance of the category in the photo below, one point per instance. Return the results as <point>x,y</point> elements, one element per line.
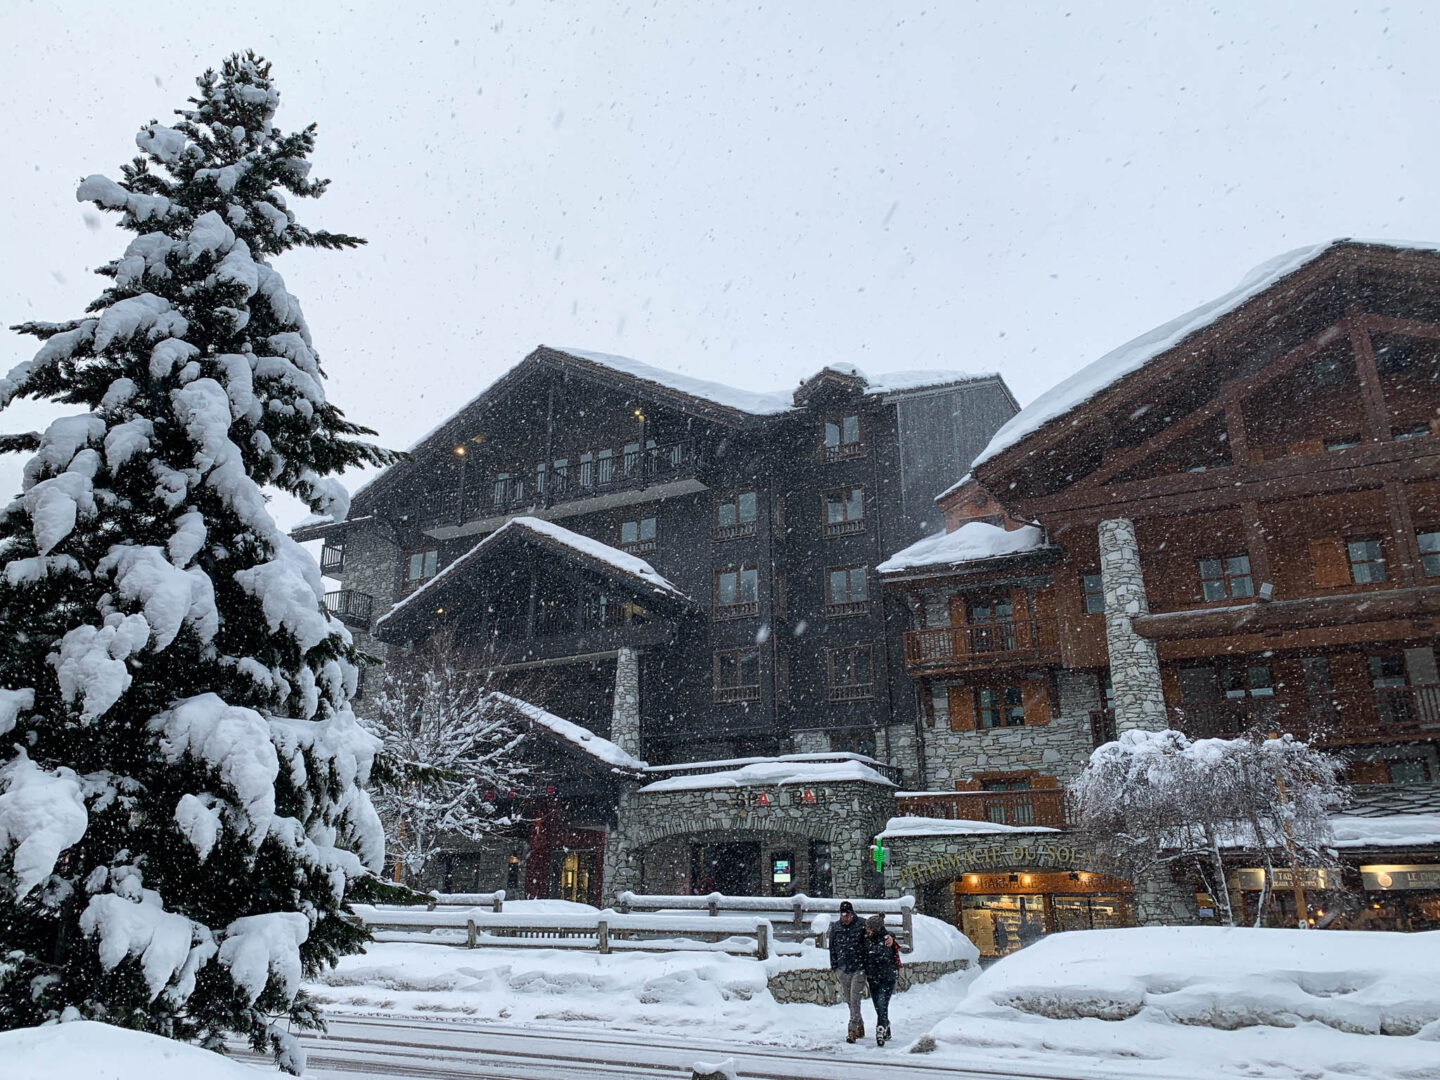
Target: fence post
<point>762,940</point>
<point>907,923</point>
<point>602,934</point>
<point>799,914</point>
<point>431,901</point>
<point>714,905</point>
<point>625,903</point>
<point>499,900</point>
<point>469,933</point>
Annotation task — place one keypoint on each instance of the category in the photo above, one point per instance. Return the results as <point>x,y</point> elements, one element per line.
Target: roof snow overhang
<point>636,577</point>
<point>1058,423</point>
<point>571,738</point>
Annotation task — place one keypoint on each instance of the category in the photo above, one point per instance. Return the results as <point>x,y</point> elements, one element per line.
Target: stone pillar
<point>1134,667</point>
<point>625,716</point>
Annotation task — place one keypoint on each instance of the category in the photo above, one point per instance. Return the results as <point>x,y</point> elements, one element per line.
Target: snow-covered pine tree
<point>453,746</point>
<point>182,804</point>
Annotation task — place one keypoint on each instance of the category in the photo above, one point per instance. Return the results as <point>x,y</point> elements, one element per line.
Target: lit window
<point>1226,577</point>
<point>1001,706</point>
<point>1094,594</point>
<point>1430,552</point>
<point>1367,561</point>
<point>421,565</point>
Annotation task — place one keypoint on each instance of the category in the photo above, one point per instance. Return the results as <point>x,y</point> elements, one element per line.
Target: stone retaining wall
<point>817,986</point>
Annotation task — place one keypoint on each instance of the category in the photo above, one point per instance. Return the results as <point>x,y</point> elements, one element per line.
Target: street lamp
<point>460,502</point>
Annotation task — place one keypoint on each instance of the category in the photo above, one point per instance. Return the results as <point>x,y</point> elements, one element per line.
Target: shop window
<point>851,675</point>
<point>421,565</point>
<point>638,536</point>
<point>840,438</point>
<point>737,675</point>
<point>1429,552</point>
<point>735,515</point>
<point>1367,561</point>
<point>737,592</point>
<point>846,591</point>
<point>1001,706</point>
<point>1094,593</point>
<point>845,511</point>
<point>1226,577</point>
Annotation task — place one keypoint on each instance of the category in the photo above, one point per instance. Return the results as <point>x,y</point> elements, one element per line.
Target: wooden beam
<point>1402,533</point>
<point>1374,605</point>
<point>1377,416</point>
<point>1389,324</point>
<point>1257,544</point>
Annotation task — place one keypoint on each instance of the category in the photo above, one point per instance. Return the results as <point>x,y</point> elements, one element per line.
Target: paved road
<point>371,1049</point>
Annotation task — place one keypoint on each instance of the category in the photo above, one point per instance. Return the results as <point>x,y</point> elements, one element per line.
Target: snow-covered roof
<point>928,826</point>
<point>621,562</point>
<point>771,773</point>
<point>758,403</point>
<point>972,542</point>
<point>1398,830</point>
<point>580,737</point>
<point>722,764</point>
<point>1133,355</point>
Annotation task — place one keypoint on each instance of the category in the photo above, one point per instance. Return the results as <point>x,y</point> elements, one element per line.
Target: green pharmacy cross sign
<point>878,854</point>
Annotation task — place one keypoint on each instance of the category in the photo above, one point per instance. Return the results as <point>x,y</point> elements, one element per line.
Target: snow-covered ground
<point>1206,1001</point>
<point>86,1050</point>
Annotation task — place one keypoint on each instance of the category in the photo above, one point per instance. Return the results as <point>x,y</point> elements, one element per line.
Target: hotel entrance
<point>1001,913</point>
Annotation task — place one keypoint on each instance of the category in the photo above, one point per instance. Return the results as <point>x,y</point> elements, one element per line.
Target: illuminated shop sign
<point>1252,879</point>
<point>1394,878</point>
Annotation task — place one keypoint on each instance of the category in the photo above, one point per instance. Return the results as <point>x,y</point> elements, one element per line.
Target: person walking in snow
<point>847,960</point>
<point>882,968</point>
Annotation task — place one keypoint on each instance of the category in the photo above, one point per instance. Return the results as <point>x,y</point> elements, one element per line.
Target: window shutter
<point>1020,612</point>
<point>962,708</point>
<point>1331,564</point>
<point>957,609</point>
<point>1035,696</point>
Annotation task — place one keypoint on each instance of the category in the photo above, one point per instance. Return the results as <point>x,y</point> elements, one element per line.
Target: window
<point>1387,671</point>
<point>737,592</point>
<point>638,537</point>
<point>990,625</point>
<point>508,489</point>
<point>604,467</point>
<point>846,591</point>
<point>1414,431</point>
<point>1094,594</point>
<point>853,742</point>
<point>1001,706</point>
<point>939,703</point>
<point>1367,561</point>
<point>1343,443</point>
<point>988,609</point>
<point>1429,552</point>
<point>735,516</point>
<point>1327,371</point>
<point>1246,680</point>
<point>737,675</point>
<point>841,438</point>
<point>1225,577</point>
<point>1409,771</point>
<point>851,677</point>
<point>845,512</point>
<point>421,565</point>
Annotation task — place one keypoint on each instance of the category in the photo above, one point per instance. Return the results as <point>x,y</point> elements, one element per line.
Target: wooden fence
<point>801,910</point>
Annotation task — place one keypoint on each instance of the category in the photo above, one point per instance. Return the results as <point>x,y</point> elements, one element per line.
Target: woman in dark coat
<point>882,967</point>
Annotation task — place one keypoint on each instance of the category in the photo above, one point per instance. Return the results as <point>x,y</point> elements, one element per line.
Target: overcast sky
<point>745,195</point>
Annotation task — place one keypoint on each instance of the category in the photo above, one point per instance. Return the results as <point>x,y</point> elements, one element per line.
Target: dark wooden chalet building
<point>1236,528</point>
<point>709,551</point>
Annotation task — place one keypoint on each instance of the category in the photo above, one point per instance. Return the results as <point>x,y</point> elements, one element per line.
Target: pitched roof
<point>572,735</point>
<point>1100,375</point>
<point>975,541</point>
<point>610,562</point>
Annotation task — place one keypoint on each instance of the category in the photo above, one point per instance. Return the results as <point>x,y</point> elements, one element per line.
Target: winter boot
<point>850,1033</point>
<point>882,1032</point>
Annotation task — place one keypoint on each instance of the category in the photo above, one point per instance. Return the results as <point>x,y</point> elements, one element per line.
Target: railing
<point>802,911</point>
<point>852,692</point>
<point>852,607</point>
<point>495,901</point>
<point>947,644</point>
<point>731,694</point>
<point>1033,807</point>
<point>1102,726</point>
<point>737,611</point>
<point>1333,717</point>
<point>332,559</point>
<point>1408,706</point>
<point>639,547</point>
<point>1226,719</point>
<point>350,607</point>
<point>842,451</point>
<point>845,528</point>
<point>734,532</point>
<point>501,493</point>
<point>603,931</point>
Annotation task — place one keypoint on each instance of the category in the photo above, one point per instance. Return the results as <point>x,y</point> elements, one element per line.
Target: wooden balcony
<point>729,695</point>
<point>1339,718</point>
<point>852,527</point>
<point>980,641</point>
<point>852,692</point>
<point>842,451</point>
<point>744,610</point>
<point>1035,807</point>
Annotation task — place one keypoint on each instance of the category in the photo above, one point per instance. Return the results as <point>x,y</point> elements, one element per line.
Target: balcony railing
<point>852,527</point>
<point>852,607</point>
<point>1034,807</point>
<point>852,692</point>
<point>1102,726</point>
<point>1333,718</point>
<point>639,548</point>
<point>350,607</point>
<point>842,451</point>
<point>1408,706</point>
<point>506,492</point>
<point>1226,719</point>
<point>947,644</point>
<point>734,532</point>
<point>732,694</point>
<point>737,611</point>
<point>332,559</point>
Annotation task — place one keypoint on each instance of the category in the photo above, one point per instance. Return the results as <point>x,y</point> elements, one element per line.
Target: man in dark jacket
<point>847,960</point>
<point>882,968</point>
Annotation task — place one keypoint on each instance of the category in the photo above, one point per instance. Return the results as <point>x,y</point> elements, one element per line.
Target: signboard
<point>1252,878</point>
<point>1018,854</point>
<point>1396,878</point>
<point>780,871</point>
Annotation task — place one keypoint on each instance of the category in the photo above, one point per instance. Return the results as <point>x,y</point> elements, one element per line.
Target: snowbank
<point>972,542</point>
<point>94,1051</point>
<point>1289,1003</point>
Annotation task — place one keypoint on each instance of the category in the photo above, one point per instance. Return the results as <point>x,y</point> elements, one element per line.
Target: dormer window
<point>841,438</point>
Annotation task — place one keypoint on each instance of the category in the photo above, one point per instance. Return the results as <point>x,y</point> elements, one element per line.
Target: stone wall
<point>845,814</point>
<point>625,711</point>
<point>817,986</point>
<point>1059,748</point>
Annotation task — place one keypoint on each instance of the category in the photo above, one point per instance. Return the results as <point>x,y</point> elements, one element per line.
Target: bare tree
<point>451,749</point>
<point>1154,797</point>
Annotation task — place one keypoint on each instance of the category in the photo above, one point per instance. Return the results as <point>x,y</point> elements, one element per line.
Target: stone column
<point>1134,667</point>
<point>625,716</point>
